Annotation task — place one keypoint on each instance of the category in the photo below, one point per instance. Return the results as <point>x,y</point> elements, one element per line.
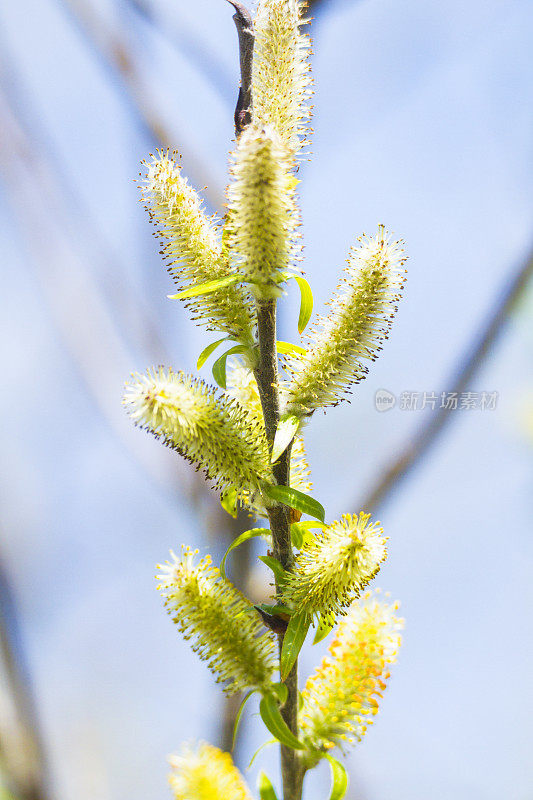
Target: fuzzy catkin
<point>332,570</point>
<point>209,429</point>
<point>342,697</point>
<point>353,333</point>
<point>263,218</point>
<point>193,249</point>
<point>281,80</point>
<point>225,630</point>
<point>206,773</point>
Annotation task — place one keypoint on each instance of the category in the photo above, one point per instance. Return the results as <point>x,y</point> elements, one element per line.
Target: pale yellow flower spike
<point>206,773</point>
<point>331,571</point>
<point>225,629</point>
<point>242,387</point>
<point>205,427</point>
<point>281,81</point>
<point>263,219</point>
<point>193,249</point>
<point>342,697</point>
<point>353,333</point>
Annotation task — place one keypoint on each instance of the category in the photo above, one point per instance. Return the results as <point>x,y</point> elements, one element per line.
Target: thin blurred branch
<point>22,757</point>
<point>203,59</point>
<point>66,280</point>
<point>412,453</point>
<point>118,53</point>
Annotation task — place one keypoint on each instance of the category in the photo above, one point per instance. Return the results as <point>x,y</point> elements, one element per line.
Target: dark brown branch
<point>245,29</point>
<point>266,374</point>
<point>414,450</point>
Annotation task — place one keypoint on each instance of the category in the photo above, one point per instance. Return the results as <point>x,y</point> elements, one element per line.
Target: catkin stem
<point>266,375</point>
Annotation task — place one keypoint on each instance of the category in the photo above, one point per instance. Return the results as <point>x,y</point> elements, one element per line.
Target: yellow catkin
<point>207,428</point>
<point>332,569</point>
<point>342,697</point>
<point>281,80</point>
<point>224,628</point>
<point>206,773</point>
<point>361,314</point>
<point>263,219</point>
<point>193,250</point>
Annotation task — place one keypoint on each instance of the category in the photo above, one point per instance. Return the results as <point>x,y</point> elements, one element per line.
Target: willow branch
<point>416,448</point>
<point>245,30</point>
<point>266,374</point>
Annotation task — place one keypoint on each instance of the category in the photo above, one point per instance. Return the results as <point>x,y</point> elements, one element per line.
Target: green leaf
<point>228,501</point>
<point>297,536</point>
<point>285,433</point>
<point>265,744</point>
<point>322,630</point>
<point>206,352</point>
<point>206,288</point>
<point>244,537</point>
<point>266,790</point>
<point>306,303</point>
<point>293,641</point>
<point>277,609</point>
<point>339,779</point>
<point>271,716</point>
<point>239,715</point>
<point>281,691</point>
<point>295,499</point>
<point>287,348</point>
<point>275,566</point>
<point>219,367</point>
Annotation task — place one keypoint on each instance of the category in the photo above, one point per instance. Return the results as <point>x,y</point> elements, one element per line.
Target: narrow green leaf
<point>285,433</point>
<point>339,779</point>
<point>219,367</point>
<point>275,566</point>
<point>206,288</point>
<point>297,536</point>
<point>206,352</point>
<point>266,790</point>
<point>265,744</point>
<point>271,716</point>
<point>322,630</point>
<point>239,715</point>
<point>277,609</point>
<point>293,641</point>
<point>306,303</point>
<point>228,501</point>
<point>281,691</point>
<point>244,537</point>
<point>295,499</point>
<point>287,348</point>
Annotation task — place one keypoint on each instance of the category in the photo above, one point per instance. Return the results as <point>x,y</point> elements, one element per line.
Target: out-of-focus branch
<point>68,285</point>
<point>204,60</point>
<point>117,53</point>
<point>22,759</point>
<point>416,448</point>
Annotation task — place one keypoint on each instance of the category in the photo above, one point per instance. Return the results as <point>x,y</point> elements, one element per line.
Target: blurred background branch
<point>412,454</point>
<point>117,53</point>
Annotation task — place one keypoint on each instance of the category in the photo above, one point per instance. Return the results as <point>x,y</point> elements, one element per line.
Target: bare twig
<point>119,54</point>
<point>245,30</point>
<point>414,450</point>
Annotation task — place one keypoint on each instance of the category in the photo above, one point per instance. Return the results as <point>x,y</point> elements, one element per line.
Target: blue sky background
<point>423,121</point>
